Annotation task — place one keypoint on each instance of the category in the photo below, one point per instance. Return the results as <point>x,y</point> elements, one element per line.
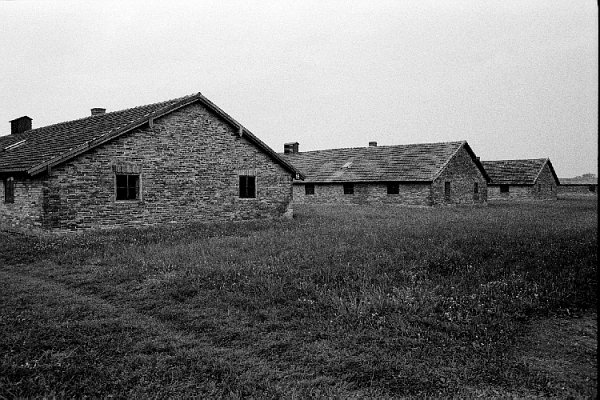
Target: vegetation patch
<point>339,302</point>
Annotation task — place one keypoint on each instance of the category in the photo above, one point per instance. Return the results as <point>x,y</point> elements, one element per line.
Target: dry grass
<point>343,301</point>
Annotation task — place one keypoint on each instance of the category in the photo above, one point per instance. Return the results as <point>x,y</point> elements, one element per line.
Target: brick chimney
<point>291,147</point>
<point>98,111</point>
<point>372,144</point>
<point>21,124</point>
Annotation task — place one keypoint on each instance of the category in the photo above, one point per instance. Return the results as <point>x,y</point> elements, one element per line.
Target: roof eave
<point>13,171</point>
<point>368,181</point>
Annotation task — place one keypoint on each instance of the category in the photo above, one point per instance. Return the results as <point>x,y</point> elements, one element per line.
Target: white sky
<point>515,78</point>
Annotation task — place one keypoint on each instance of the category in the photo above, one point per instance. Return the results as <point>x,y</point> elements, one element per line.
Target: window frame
<point>9,190</point>
<point>393,188</point>
<point>348,188</point>
<point>137,186</point>
<point>504,188</point>
<point>309,189</point>
<point>244,186</point>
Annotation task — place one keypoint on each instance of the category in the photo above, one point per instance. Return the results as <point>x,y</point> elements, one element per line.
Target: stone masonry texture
<point>189,163</point>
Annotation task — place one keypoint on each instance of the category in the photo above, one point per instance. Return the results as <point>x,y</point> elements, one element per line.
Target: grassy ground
<point>350,302</point>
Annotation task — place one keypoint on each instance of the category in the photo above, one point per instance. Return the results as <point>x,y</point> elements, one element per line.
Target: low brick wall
<point>417,194</point>
<point>578,190</point>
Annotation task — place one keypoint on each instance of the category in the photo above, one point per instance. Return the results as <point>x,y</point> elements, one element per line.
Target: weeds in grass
<point>343,301</point>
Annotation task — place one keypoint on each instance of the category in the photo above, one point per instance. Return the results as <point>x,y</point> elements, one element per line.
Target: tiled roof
<point>580,180</point>
<point>33,150</point>
<point>516,172</point>
<point>404,163</point>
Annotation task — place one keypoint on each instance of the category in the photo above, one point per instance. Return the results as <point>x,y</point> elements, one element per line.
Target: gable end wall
<point>190,162</point>
<point>462,173</point>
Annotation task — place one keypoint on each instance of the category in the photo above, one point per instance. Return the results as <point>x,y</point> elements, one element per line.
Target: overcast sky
<point>516,79</point>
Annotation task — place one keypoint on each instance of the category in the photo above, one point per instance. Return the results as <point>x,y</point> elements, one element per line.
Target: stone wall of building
<point>463,177</point>
<point>189,164</point>
<point>515,192</point>
<point>26,210</point>
<point>578,190</point>
<point>417,194</point>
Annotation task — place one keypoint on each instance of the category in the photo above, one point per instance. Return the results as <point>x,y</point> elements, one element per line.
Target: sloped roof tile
<point>516,172</point>
<point>403,163</point>
<point>59,142</point>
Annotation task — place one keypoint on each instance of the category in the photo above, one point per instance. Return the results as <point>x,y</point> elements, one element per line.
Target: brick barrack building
<point>423,174</point>
<point>581,185</point>
<point>177,161</point>
<point>529,179</point>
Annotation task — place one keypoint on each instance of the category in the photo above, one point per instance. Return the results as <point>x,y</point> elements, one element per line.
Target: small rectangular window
<point>309,188</point>
<point>476,191</point>
<point>348,188</point>
<point>393,188</point>
<point>539,187</point>
<point>592,188</point>
<point>447,191</point>
<point>128,187</point>
<point>9,190</point>
<point>247,187</point>
<point>504,188</point>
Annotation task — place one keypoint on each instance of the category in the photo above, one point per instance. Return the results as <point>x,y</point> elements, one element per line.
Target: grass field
<point>348,302</point>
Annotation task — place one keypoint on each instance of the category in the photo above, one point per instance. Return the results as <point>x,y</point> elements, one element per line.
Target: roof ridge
<point>175,100</point>
<point>375,147</point>
<point>518,159</point>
